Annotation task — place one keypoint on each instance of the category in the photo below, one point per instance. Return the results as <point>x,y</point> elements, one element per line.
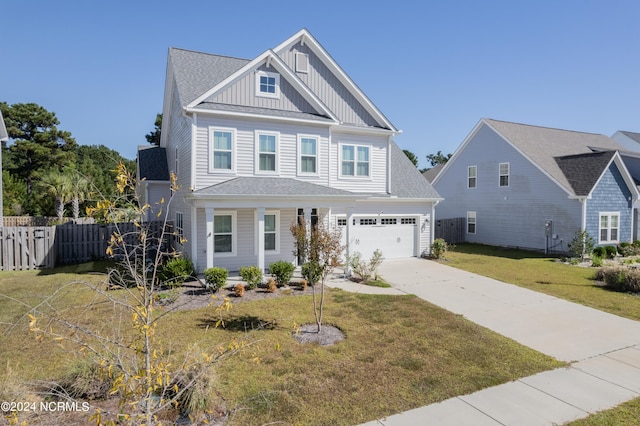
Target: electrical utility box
<point>548,228</point>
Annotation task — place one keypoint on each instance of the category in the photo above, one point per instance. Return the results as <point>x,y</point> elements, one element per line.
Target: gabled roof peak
<point>540,127</point>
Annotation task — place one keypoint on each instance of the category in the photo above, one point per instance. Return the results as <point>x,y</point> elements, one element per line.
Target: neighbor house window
<point>223,233</point>
<point>471,222</point>
<point>267,155</point>
<point>472,176</point>
<point>609,228</point>
<point>222,141</point>
<point>268,84</point>
<point>355,160</point>
<point>180,226</point>
<point>308,149</point>
<point>504,174</point>
<point>270,232</point>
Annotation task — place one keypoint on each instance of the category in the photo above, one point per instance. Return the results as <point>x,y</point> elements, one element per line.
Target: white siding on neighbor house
<point>328,88</point>
<point>243,92</point>
<point>506,216</point>
<point>377,180</point>
<point>246,254</point>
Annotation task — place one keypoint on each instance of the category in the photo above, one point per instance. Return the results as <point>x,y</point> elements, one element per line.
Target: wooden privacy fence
<point>451,230</point>
<point>23,248</point>
<point>39,220</point>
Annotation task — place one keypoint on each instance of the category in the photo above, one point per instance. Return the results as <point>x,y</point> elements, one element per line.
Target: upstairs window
<point>267,155</point>
<point>308,149</point>
<point>504,174</point>
<point>268,84</point>
<point>355,160</point>
<point>472,176</point>
<point>221,150</point>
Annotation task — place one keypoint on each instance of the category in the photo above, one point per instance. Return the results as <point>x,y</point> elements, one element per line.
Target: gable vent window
<point>268,84</point>
<point>302,62</point>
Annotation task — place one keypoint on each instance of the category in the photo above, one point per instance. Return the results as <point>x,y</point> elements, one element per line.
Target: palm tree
<point>78,191</point>
<point>57,184</point>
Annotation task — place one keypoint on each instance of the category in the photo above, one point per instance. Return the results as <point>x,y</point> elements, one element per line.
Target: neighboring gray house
<point>533,187</point>
<point>629,140</point>
<point>4,136</point>
<point>258,143</point>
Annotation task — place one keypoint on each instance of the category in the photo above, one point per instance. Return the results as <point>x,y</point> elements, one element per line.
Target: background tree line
<point>44,170</point>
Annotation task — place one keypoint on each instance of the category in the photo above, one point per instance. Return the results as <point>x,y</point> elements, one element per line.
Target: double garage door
<point>395,237</point>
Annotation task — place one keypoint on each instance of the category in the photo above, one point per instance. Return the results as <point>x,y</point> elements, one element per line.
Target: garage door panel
<point>395,241</point>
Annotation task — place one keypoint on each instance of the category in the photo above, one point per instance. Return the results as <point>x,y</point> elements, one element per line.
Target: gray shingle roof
<point>152,163</point>
<point>271,186</point>
<point>3,130</point>
<point>406,179</point>
<point>264,111</point>
<point>583,170</point>
<point>431,174</point>
<point>196,72</point>
<point>631,135</point>
<point>542,145</point>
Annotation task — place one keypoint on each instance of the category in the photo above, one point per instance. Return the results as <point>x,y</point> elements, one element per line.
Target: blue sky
<point>434,68</point>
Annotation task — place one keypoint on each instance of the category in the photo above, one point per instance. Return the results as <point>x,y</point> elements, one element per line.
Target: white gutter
<point>194,130</point>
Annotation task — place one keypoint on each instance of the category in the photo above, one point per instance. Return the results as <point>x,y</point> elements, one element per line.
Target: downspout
<point>389,140</point>
<point>432,230</point>
<point>194,132</point>
<point>329,148</point>
<point>583,201</point>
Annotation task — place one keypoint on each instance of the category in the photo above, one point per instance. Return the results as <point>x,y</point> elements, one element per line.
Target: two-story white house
<point>257,143</point>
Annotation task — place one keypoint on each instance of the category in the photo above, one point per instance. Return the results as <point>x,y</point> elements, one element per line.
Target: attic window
<point>302,62</point>
<point>268,84</point>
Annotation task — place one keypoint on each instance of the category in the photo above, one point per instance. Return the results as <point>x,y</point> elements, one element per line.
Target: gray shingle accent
<point>196,72</point>
<point>542,145</point>
<point>583,170</point>
<point>152,163</point>
<point>406,179</point>
<point>271,186</point>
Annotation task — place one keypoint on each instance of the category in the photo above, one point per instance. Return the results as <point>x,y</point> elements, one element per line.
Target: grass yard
<point>400,352</point>
<point>544,274</point>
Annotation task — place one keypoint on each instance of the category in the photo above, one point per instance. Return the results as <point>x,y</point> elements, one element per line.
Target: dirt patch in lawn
<point>328,335</point>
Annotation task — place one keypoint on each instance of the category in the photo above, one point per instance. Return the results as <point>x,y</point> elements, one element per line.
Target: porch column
<point>210,246</point>
<point>347,267</point>
<point>260,211</point>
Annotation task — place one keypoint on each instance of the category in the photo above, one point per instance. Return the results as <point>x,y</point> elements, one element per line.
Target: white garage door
<point>394,236</point>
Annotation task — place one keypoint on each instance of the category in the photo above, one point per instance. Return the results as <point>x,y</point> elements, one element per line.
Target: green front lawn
<point>400,352</point>
<point>544,274</point>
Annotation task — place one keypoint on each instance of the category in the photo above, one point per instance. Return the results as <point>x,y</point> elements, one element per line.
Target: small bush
<point>596,261</point>
<point>271,285</point>
<point>311,272</point>
<point>366,270</point>
<point>626,249</point>
<point>620,278</point>
<point>215,278</point>
<point>239,290</point>
<point>282,271</point>
<point>252,275</point>
<point>581,245</point>
<point>438,248</point>
<point>636,244</point>
<point>610,251</point>
<point>176,271</point>
<point>599,251</point>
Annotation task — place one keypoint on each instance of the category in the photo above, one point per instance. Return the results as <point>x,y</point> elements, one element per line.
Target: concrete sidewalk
<point>604,349</point>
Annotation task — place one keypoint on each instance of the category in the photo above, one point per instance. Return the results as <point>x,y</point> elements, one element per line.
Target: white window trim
<point>257,152</point>
<point>180,226</point>
<point>234,233</point>
<point>317,138</point>
<point>267,213</point>
<point>299,68</point>
<point>609,215</point>
<point>176,162</point>
<point>274,75</point>
<point>508,175</point>
<point>469,177</point>
<point>475,222</point>
<point>233,150</point>
<point>355,168</point>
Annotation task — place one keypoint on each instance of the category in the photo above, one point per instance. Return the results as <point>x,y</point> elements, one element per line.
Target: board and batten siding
<point>324,84</point>
<point>243,92</point>
<point>246,254</point>
<point>611,195</point>
<point>511,216</point>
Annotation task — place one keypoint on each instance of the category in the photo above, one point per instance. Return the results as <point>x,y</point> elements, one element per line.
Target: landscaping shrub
<point>271,285</point>
<point>215,278</point>
<point>366,270</point>
<point>626,249</point>
<point>311,272</point>
<point>238,290</point>
<point>438,248</point>
<point>599,251</point>
<point>176,271</point>
<point>596,261</point>
<point>282,271</point>
<point>581,244</point>
<point>620,278</point>
<point>610,251</point>
<point>252,275</point>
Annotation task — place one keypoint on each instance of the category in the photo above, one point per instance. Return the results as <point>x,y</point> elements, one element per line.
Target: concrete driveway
<point>603,349</point>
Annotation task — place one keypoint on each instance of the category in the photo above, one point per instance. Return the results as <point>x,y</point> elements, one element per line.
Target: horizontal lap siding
<point>377,181</point>
<point>506,216</point>
<point>245,149</point>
